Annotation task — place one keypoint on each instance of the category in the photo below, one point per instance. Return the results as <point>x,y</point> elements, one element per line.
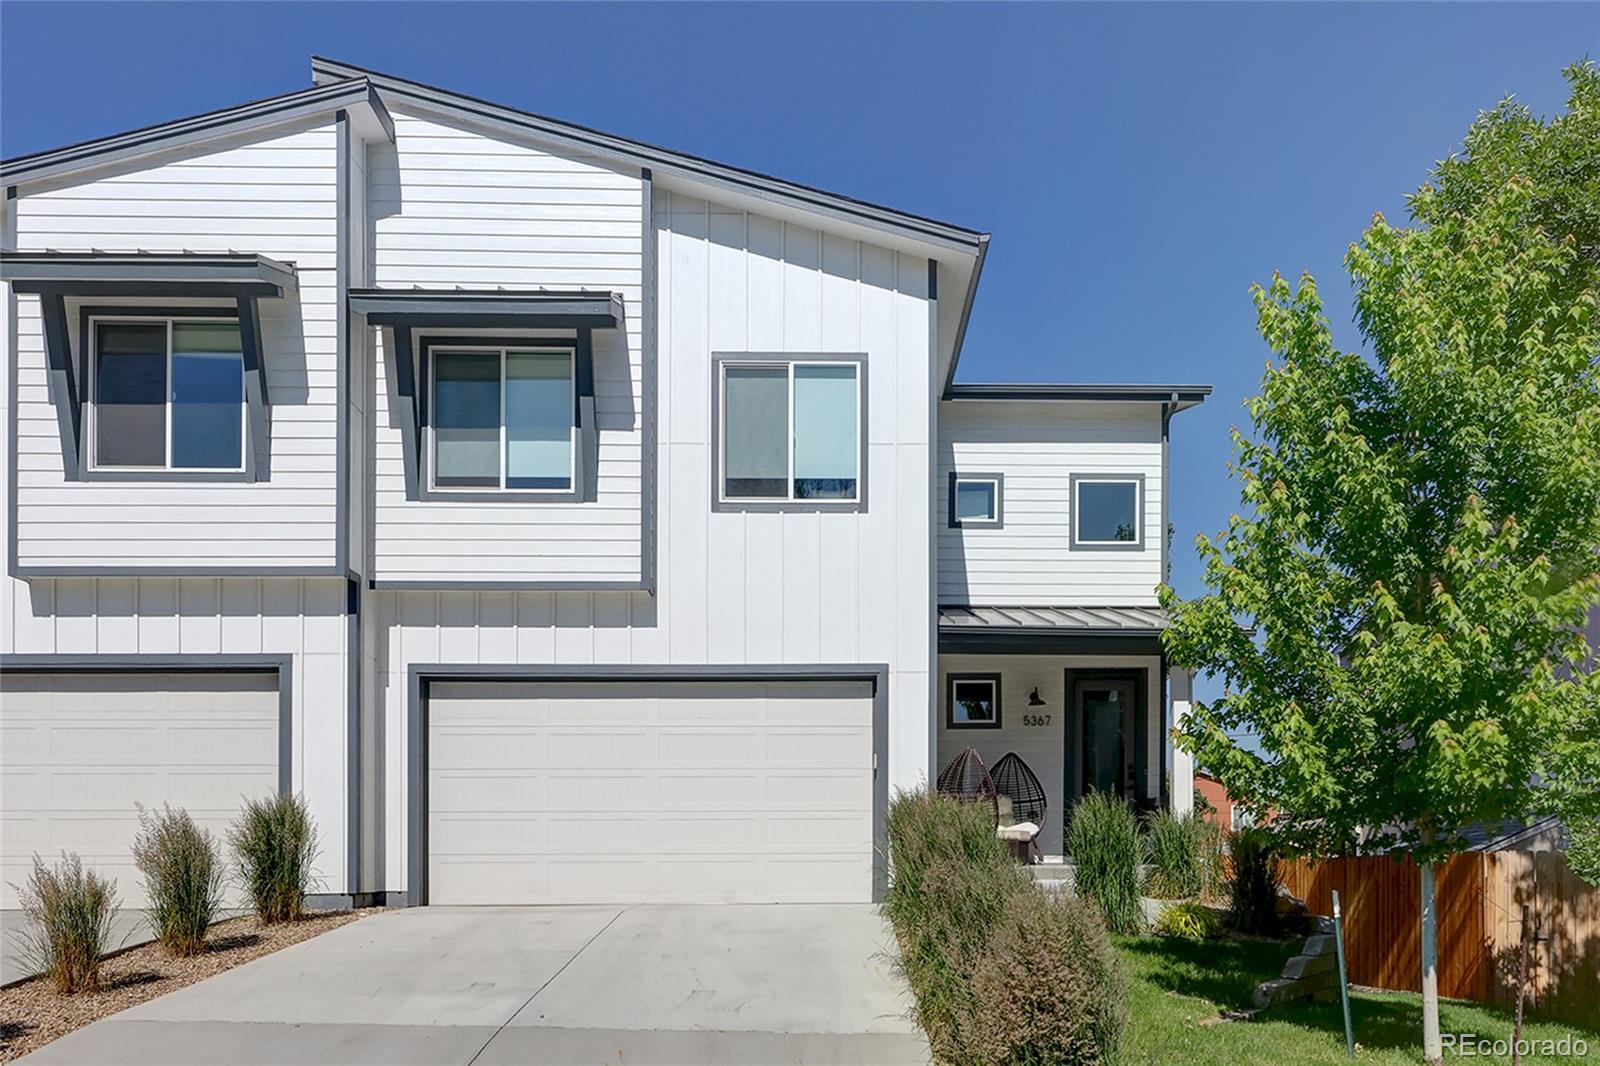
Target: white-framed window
<point>166,393</point>
<point>789,431</point>
<point>502,419</point>
<point>975,499</point>
<point>972,701</point>
<point>1107,511</point>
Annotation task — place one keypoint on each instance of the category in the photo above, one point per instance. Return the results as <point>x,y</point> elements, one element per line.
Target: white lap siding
<point>1038,447</point>
<point>453,207</point>
<point>274,195</point>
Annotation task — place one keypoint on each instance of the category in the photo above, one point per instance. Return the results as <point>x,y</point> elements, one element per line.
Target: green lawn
<point>1177,986</point>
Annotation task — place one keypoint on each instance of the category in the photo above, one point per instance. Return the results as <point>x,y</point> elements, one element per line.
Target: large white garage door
<point>78,751</point>
<point>649,792</point>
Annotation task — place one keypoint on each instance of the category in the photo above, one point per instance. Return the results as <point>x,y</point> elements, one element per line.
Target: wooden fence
<point>1481,899</point>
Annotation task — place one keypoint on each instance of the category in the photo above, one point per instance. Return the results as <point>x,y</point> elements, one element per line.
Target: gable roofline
<point>351,94</point>
<point>661,161</point>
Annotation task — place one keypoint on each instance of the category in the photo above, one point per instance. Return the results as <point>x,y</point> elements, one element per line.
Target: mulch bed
<point>32,1015</point>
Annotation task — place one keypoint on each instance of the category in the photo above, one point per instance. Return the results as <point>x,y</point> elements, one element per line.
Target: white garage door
<point>78,751</point>
<point>649,792</point>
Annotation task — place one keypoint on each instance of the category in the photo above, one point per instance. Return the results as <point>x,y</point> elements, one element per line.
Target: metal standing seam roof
<point>1128,620</point>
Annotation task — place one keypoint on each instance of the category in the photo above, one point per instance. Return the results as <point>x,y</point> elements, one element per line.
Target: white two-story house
<point>564,517</point>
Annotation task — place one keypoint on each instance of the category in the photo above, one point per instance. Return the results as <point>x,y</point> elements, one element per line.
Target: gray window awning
<point>175,274</point>
<point>54,276</point>
<point>1045,630</point>
<point>497,308</point>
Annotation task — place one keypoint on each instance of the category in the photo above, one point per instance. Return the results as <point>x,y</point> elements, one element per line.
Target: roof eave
<point>1175,397</point>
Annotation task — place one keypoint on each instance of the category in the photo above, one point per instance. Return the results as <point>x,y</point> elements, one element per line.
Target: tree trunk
<point>1432,1046</point>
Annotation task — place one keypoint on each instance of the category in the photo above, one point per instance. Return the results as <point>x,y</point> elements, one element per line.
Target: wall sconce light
<point>1033,698</point>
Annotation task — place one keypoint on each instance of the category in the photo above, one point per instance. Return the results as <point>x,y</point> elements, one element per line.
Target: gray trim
<point>966,316</point>
<point>950,681</point>
<point>931,636</point>
<point>63,389</point>
<point>282,665</point>
<point>174,571</point>
<point>1048,642</point>
<point>352,733</point>
<point>497,308</point>
<point>420,676</point>
<point>399,340</point>
<point>999,500</point>
<point>631,153</point>
<point>489,585</point>
<point>586,461</point>
<point>329,902</point>
<point>8,238</point>
<point>179,133</point>
<point>257,399</point>
<point>1073,481</point>
<point>86,273</point>
<point>1135,675</point>
<point>341,489</point>
<point>1167,411</point>
<point>1181,397</point>
<point>649,281</point>
<point>855,506</point>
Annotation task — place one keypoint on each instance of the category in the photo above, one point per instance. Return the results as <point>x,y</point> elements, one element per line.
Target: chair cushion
<point>1020,831</point>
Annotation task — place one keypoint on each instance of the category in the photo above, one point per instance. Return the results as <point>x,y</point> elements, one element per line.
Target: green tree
<point>1398,612</point>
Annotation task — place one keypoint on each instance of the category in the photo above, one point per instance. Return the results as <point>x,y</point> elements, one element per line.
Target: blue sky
<point>1138,165</point>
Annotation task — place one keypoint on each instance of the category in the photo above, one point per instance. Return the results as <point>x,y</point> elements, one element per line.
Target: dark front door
<point>1105,708</point>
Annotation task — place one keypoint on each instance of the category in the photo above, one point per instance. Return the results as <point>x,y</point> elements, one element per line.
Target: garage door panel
<point>79,752</point>
<point>652,791</point>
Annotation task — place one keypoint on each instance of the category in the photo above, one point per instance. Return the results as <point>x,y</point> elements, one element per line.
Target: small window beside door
<point>975,500</point>
<point>167,394</point>
<point>972,701</point>
<point>790,434</point>
<point>1107,512</point>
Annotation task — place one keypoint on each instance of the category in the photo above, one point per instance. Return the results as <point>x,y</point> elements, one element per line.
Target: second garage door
<point>649,792</point>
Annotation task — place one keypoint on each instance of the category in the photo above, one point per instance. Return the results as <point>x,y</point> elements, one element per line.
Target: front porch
<point>1079,694</point>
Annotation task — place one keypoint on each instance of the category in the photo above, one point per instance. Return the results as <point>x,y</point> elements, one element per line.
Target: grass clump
<point>67,912</point>
<point>1253,887</point>
<point>274,842</point>
<point>1104,841</point>
<point>1175,850</point>
<point>1001,973</point>
<point>1190,920</point>
<point>182,871</point>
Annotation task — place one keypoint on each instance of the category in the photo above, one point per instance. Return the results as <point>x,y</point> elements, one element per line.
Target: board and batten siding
<point>275,196</point>
<point>734,587</point>
<point>454,207</point>
<point>1029,560</point>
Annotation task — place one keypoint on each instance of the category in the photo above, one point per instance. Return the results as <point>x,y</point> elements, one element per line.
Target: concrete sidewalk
<point>647,984</point>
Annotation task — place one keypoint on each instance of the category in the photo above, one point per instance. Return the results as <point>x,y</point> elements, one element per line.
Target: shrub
<point>1213,860</point>
<point>1104,842</point>
<point>1253,888</point>
<point>1174,848</point>
<point>1001,973</point>
<point>182,878</point>
<point>68,913</point>
<point>275,842</point>
<point>1190,920</point>
<point>1049,989</point>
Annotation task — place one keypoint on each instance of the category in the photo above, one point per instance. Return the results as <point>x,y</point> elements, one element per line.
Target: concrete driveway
<point>528,985</point>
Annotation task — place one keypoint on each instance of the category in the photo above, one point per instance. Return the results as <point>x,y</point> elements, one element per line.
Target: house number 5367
<point>1036,719</point>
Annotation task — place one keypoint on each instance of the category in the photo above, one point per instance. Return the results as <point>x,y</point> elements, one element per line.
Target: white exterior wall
<point>1043,747</point>
<point>734,588</point>
<point>274,195</point>
<point>1038,446</point>
<point>453,207</point>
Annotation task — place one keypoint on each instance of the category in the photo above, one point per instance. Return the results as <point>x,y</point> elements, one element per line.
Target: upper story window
<point>1107,511</point>
<point>975,500</point>
<point>503,419</point>
<point>167,394</point>
<point>790,434</point>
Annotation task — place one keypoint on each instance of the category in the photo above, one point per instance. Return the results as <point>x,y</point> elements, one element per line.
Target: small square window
<point>1107,512</point>
<point>972,701</point>
<point>974,500</point>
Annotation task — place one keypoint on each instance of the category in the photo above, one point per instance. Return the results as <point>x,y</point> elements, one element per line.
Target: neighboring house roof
<point>1181,397</point>
<point>1514,833</point>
